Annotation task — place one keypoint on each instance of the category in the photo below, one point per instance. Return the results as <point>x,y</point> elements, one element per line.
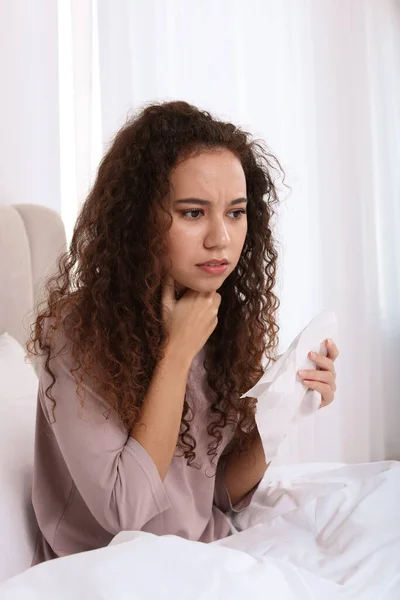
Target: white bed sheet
<point>311,532</point>
<point>342,524</point>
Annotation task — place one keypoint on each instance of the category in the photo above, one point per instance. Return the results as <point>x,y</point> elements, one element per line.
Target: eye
<point>194,214</point>
<point>238,213</point>
<point>188,212</point>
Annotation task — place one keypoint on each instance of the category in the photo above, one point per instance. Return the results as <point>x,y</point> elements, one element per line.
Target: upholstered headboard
<point>31,240</point>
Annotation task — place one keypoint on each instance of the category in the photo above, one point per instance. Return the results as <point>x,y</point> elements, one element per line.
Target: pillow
<point>18,392</point>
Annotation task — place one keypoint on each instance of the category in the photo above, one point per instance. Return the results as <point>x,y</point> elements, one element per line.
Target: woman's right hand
<point>190,320</point>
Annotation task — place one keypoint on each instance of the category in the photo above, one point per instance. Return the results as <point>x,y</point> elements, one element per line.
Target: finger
<point>325,402</point>
<point>322,361</point>
<point>182,292</point>
<point>332,349</point>
<point>331,384</point>
<point>217,299</point>
<point>324,389</point>
<point>317,375</point>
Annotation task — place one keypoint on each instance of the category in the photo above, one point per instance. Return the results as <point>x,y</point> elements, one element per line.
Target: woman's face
<point>208,205</point>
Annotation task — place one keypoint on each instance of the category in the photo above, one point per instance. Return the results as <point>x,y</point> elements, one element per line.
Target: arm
<point>238,476</point>
<point>115,475</point>
<point>158,427</point>
<point>119,474</point>
<point>243,472</point>
<point>189,323</point>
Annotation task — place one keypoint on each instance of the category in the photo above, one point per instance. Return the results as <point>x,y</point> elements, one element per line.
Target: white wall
<point>29,132</point>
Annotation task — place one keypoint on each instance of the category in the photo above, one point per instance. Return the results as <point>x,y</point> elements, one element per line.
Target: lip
<point>218,270</point>
<point>217,261</point>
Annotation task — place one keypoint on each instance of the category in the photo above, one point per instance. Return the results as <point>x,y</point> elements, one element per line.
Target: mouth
<point>215,267</point>
<point>214,263</point>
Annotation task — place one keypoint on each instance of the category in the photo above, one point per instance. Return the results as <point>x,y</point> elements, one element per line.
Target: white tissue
<point>282,397</point>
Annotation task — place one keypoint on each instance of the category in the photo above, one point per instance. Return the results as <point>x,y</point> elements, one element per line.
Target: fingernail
<point>329,342</point>
<point>312,354</point>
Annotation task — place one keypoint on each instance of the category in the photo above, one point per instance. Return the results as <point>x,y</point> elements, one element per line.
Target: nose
<point>217,235</point>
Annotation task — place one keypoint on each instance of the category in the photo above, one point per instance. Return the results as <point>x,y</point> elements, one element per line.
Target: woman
<point>154,325</point>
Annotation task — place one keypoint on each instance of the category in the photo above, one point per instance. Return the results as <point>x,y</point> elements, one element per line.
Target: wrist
<point>177,354</point>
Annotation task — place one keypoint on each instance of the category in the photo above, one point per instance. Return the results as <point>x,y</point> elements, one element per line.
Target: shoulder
<point>76,390</point>
<point>59,344</point>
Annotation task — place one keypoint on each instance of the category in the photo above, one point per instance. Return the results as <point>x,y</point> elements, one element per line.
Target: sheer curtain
<point>29,104</point>
<point>319,80</point>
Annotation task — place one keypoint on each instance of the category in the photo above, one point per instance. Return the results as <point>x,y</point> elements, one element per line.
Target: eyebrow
<point>201,202</point>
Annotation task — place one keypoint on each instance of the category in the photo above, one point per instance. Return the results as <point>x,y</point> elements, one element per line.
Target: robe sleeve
<point>112,471</point>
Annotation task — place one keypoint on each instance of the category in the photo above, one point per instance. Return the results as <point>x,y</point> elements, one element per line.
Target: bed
<point>311,531</point>
<point>31,239</point>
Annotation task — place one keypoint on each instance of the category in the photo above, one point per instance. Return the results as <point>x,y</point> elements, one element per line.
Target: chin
<point>202,284</point>
<point>207,286</point>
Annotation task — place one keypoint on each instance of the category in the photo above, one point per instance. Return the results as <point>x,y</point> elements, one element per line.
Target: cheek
<point>182,243</point>
<point>240,238</point>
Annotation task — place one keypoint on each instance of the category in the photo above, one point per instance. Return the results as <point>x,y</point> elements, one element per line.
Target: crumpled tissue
<point>282,397</point>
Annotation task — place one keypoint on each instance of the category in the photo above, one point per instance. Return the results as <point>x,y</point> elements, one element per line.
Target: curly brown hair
<point>111,311</point>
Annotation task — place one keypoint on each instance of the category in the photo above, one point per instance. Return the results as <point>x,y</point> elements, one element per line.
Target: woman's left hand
<point>322,380</point>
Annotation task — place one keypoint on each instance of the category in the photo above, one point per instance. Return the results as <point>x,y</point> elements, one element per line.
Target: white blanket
<point>307,534</point>
<point>342,525</point>
<point>320,535</point>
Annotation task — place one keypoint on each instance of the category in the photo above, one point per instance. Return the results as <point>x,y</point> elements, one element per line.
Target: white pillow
<point>18,393</point>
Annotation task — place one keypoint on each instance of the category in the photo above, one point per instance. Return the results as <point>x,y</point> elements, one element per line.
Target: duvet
<point>309,533</point>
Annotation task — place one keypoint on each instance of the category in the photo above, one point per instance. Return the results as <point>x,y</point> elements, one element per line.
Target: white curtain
<point>319,80</point>
<point>29,104</point>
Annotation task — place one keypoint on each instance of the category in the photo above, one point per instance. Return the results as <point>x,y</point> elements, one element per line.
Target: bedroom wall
<point>29,138</point>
